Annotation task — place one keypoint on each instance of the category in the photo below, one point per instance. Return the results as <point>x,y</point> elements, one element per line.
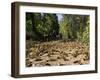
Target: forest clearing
<point>54,39</point>
<point>56,53</point>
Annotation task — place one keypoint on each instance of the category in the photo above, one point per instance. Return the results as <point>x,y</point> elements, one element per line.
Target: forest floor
<point>56,53</point>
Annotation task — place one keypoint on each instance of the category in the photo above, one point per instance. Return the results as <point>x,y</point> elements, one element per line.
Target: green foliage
<point>85,38</point>
<point>46,26</point>
<point>75,27</point>
<point>28,25</point>
<point>64,28</point>
<point>67,27</point>
<point>42,24</point>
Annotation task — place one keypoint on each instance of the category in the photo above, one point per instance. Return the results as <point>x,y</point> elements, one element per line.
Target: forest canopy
<point>66,27</point>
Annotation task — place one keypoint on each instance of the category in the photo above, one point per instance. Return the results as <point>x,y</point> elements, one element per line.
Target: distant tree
<point>52,21</point>
<point>42,26</point>
<point>28,26</point>
<point>75,27</point>
<point>45,26</point>
<point>85,37</point>
<point>67,28</point>
<point>32,20</point>
<point>64,27</point>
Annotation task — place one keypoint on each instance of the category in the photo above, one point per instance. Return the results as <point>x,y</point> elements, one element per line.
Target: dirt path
<point>56,53</point>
